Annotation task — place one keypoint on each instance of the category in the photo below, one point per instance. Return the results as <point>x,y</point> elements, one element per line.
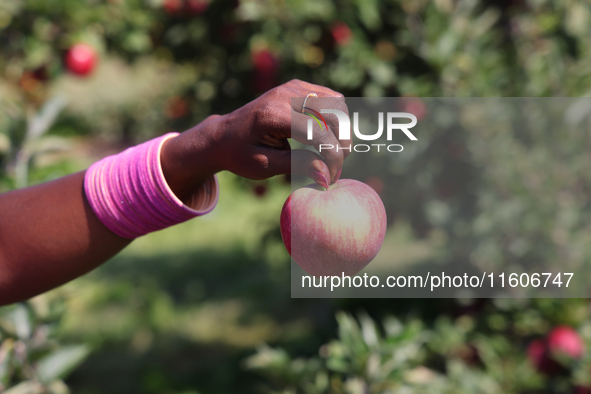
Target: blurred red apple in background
<point>260,190</point>
<point>537,353</point>
<point>376,183</point>
<point>335,230</point>
<point>563,341</point>
<point>264,62</point>
<point>578,389</point>
<point>341,33</point>
<point>81,59</point>
<point>196,7</point>
<point>553,354</point>
<point>173,6</point>
<point>415,106</point>
<point>265,70</point>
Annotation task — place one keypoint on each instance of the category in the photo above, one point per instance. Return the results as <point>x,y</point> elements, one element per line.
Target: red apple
<point>553,354</point>
<point>260,190</point>
<point>341,33</point>
<point>196,7</point>
<point>415,106</point>
<point>375,183</point>
<point>537,353</point>
<point>264,62</point>
<point>173,6</point>
<point>565,342</point>
<point>81,59</point>
<point>334,230</point>
<point>265,70</point>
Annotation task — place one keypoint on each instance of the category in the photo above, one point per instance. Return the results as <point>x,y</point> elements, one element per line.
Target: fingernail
<point>319,178</point>
<point>338,175</point>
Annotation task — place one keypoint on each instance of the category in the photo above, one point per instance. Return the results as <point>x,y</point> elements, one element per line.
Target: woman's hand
<point>252,140</point>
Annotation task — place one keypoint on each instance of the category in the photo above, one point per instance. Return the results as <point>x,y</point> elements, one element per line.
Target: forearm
<point>49,235</point>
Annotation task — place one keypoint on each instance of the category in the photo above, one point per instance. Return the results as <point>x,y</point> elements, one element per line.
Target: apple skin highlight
<point>335,230</point>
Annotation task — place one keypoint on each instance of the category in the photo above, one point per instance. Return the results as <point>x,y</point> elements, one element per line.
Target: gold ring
<point>306,99</point>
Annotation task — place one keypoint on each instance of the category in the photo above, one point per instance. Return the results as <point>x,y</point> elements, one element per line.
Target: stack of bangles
<point>130,196</point>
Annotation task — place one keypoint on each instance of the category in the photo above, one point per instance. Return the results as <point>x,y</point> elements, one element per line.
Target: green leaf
<point>21,321</point>
<point>5,356</point>
<point>369,14</point>
<point>369,331</point>
<point>60,363</point>
<point>268,358</point>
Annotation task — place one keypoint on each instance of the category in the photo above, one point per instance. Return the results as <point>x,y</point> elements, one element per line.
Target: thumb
<point>302,162</point>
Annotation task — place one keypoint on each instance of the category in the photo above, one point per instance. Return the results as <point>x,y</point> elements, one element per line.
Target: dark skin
<point>49,234</point>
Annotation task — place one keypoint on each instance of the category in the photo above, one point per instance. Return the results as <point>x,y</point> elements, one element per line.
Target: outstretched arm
<point>49,234</point>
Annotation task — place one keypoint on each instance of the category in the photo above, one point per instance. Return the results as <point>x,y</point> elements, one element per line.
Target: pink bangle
<point>130,196</point>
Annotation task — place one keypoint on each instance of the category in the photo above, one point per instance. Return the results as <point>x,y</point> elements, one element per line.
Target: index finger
<point>324,123</point>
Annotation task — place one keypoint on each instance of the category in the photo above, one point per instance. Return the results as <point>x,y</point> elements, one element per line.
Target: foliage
<point>31,361</point>
<point>367,361</point>
<point>467,354</point>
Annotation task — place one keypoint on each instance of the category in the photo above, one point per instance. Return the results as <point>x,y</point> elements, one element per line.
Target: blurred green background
<point>205,307</point>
